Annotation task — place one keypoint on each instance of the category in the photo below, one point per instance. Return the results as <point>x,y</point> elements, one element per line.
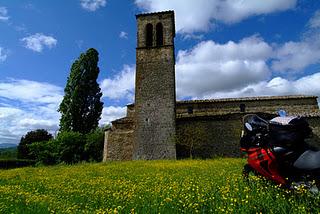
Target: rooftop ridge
<point>244,99</point>
<point>302,114</point>
<point>248,99</point>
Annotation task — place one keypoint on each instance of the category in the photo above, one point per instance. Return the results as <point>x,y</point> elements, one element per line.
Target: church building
<point>159,127</point>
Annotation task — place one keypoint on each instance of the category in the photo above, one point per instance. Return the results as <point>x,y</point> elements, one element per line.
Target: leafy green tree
<point>81,107</point>
<point>39,135</point>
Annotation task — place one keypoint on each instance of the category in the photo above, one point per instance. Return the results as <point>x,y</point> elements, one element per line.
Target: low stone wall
<point>120,145</point>
<point>119,141</point>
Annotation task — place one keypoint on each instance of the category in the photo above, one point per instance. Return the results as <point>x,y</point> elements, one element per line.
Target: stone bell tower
<point>155,97</point>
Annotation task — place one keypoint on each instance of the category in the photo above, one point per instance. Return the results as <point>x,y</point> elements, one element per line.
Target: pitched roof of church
<point>261,98</point>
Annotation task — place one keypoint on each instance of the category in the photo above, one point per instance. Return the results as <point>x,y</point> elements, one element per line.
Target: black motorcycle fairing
<point>309,160</point>
<point>281,150</point>
<point>285,158</point>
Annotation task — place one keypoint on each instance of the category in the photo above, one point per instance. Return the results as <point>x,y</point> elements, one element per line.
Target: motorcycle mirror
<point>282,113</point>
<point>248,126</point>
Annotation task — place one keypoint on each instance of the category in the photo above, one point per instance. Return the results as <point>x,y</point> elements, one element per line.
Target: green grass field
<point>189,186</point>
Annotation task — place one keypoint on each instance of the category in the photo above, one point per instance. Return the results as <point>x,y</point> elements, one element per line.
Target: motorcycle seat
<point>309,160</point>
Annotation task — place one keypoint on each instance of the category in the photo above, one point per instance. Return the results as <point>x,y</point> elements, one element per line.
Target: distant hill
<point>7,145</point>
<point>8,152</point>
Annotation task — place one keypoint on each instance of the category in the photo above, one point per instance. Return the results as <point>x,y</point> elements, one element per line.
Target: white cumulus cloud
<point>3,14</point>
<point>307,85</point>
<point>30,91</point>
<point>27,105</point>
<point>92,5</point>
<point>210,67</point>
<point>297,55</point>
<point>39,41</point>
<point>121,86</point>
<point>201,15</point>
<point>111,113</point>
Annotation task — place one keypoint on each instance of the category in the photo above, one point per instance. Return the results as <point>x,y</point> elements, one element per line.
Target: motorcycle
<point>277,150</point>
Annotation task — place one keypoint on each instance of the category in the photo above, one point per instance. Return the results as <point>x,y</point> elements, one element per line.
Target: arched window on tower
<point>159,29</point>
<point>149,35</point>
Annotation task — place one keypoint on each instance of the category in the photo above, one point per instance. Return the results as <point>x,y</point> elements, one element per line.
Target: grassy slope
<point>191,186</point>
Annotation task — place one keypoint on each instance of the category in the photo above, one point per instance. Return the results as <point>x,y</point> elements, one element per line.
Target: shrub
<point>45,152</point>
<point>94,145</point>
<point>71,146</point>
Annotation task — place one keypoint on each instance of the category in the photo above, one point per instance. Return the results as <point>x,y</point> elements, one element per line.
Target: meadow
<point>187,186</point>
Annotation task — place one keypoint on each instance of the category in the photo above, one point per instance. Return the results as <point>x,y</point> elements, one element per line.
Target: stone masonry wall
<point>167,20</point>
<point>292,104</point>
<point>314,123</point>
<point>155,91</point>
<point>220,135</point>
<point>119,141</point>
<point>212,136</point>
<point>155,105</point>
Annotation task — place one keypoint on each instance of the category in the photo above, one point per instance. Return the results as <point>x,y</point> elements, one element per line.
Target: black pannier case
<point>291,134</point>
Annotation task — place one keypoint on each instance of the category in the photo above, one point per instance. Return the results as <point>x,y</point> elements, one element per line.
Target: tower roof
<point>155,13</point>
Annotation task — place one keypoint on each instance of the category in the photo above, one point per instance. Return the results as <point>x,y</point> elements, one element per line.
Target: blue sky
<point>232,48</point>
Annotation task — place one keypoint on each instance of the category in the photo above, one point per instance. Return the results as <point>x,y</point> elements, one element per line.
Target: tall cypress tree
<point>81,107</point>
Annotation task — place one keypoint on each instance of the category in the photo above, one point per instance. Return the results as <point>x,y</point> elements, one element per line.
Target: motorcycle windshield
<point>255,121</point>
